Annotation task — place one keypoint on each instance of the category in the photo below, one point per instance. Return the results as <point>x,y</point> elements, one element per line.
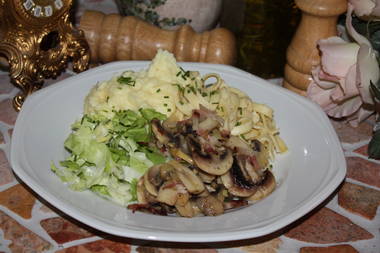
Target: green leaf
<point>150,114</point>
<point>374,146</point>
<point>100,189</point>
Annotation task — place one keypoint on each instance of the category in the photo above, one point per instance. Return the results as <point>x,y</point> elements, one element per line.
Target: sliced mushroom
<point>152,180</point>
<point>207,125</point>
<point>236,183</point>
<point>210,205</point>
<point>265,188</point>
<point>178,153</point>
<point>169,192</point>
<point>185,210</point>
<point>250,168</point>
<point>207,178</point>
<point>140,192</point>
<point>239,146</point>
<point>162,135</point>
<point>191,181</point>
<point>214,164</point>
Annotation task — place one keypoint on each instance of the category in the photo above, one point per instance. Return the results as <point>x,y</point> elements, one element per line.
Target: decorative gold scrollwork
<point>39,47</point>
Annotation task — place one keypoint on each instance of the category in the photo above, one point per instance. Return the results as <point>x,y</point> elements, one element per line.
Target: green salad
<point>109,154</point>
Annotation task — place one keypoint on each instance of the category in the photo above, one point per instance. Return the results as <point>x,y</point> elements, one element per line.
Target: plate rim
<point>332,183</point>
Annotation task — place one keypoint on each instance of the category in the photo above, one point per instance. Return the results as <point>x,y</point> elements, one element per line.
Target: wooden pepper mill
<point>319,21</point>
<point>113,37</point>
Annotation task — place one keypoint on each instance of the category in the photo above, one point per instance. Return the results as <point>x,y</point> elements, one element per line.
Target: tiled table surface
<point>348,221</point>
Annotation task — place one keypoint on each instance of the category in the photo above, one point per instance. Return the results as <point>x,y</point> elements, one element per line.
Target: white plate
<point>306,175</point>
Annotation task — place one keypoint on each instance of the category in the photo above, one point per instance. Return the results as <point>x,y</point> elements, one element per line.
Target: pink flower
<point>341,83</point>
<point>366,7</point>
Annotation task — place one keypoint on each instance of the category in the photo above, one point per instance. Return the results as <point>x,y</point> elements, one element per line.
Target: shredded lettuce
<point>108,155</point>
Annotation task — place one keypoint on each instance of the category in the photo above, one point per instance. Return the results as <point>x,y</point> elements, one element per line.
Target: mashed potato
<point>156,87</point>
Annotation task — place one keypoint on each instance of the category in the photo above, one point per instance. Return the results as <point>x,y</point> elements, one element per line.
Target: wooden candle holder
<point>113,37</point>
<point>319,21</point>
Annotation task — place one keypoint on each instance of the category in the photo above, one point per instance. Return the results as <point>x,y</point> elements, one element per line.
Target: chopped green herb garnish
<point>126,80</point>
<point>193,89</point>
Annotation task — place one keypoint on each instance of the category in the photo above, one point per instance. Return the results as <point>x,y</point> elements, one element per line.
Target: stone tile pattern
<point>22,239</point>
<point>327,226</point>
<point>6,175</point>
<point>359,199</point>
<point>363,170</point>
<point>349,134</point>
<point>62,230</point>
<point>270,246</point>
<point>100,246</point>
<point>332,249</point>
<point>19,200</point>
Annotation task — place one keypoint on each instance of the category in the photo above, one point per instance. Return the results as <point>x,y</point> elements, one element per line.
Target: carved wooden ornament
<point>37,41</point>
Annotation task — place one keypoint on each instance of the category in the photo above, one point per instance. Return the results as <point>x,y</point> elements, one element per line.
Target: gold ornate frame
<point>37,48</point>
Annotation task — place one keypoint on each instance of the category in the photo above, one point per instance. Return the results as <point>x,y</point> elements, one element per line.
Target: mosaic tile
<point>359,199</point>
<point>172,250</point>
<point>63,231</point>
<point>19,200</point>
<point>345,248</point>
<point>46,209</point>
<point>100,246</point>
<point>362,150</point>
<point>327,226</point>
<point>6,175</point>
<point>22,239</point>
<point>265,247</point>
<point>363,170</point>
<point>7,112</point>
<point>349,134</point>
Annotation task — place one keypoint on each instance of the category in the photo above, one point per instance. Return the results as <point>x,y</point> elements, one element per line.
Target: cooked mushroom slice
<point>140,191</point>
<point>191,181</point>
<point>152,180</point>
<point>210,205</point>
<point>207,178</point>
<point>185,210</point>
<point>207,125</point>
<point>214,164</point>
<point>250,168</point>
<point>239,146</point>
<point>236,182</point>
<point>162,135</point>
<point>266,187</point>
<point>178,153</point>
<point>169,192</point>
